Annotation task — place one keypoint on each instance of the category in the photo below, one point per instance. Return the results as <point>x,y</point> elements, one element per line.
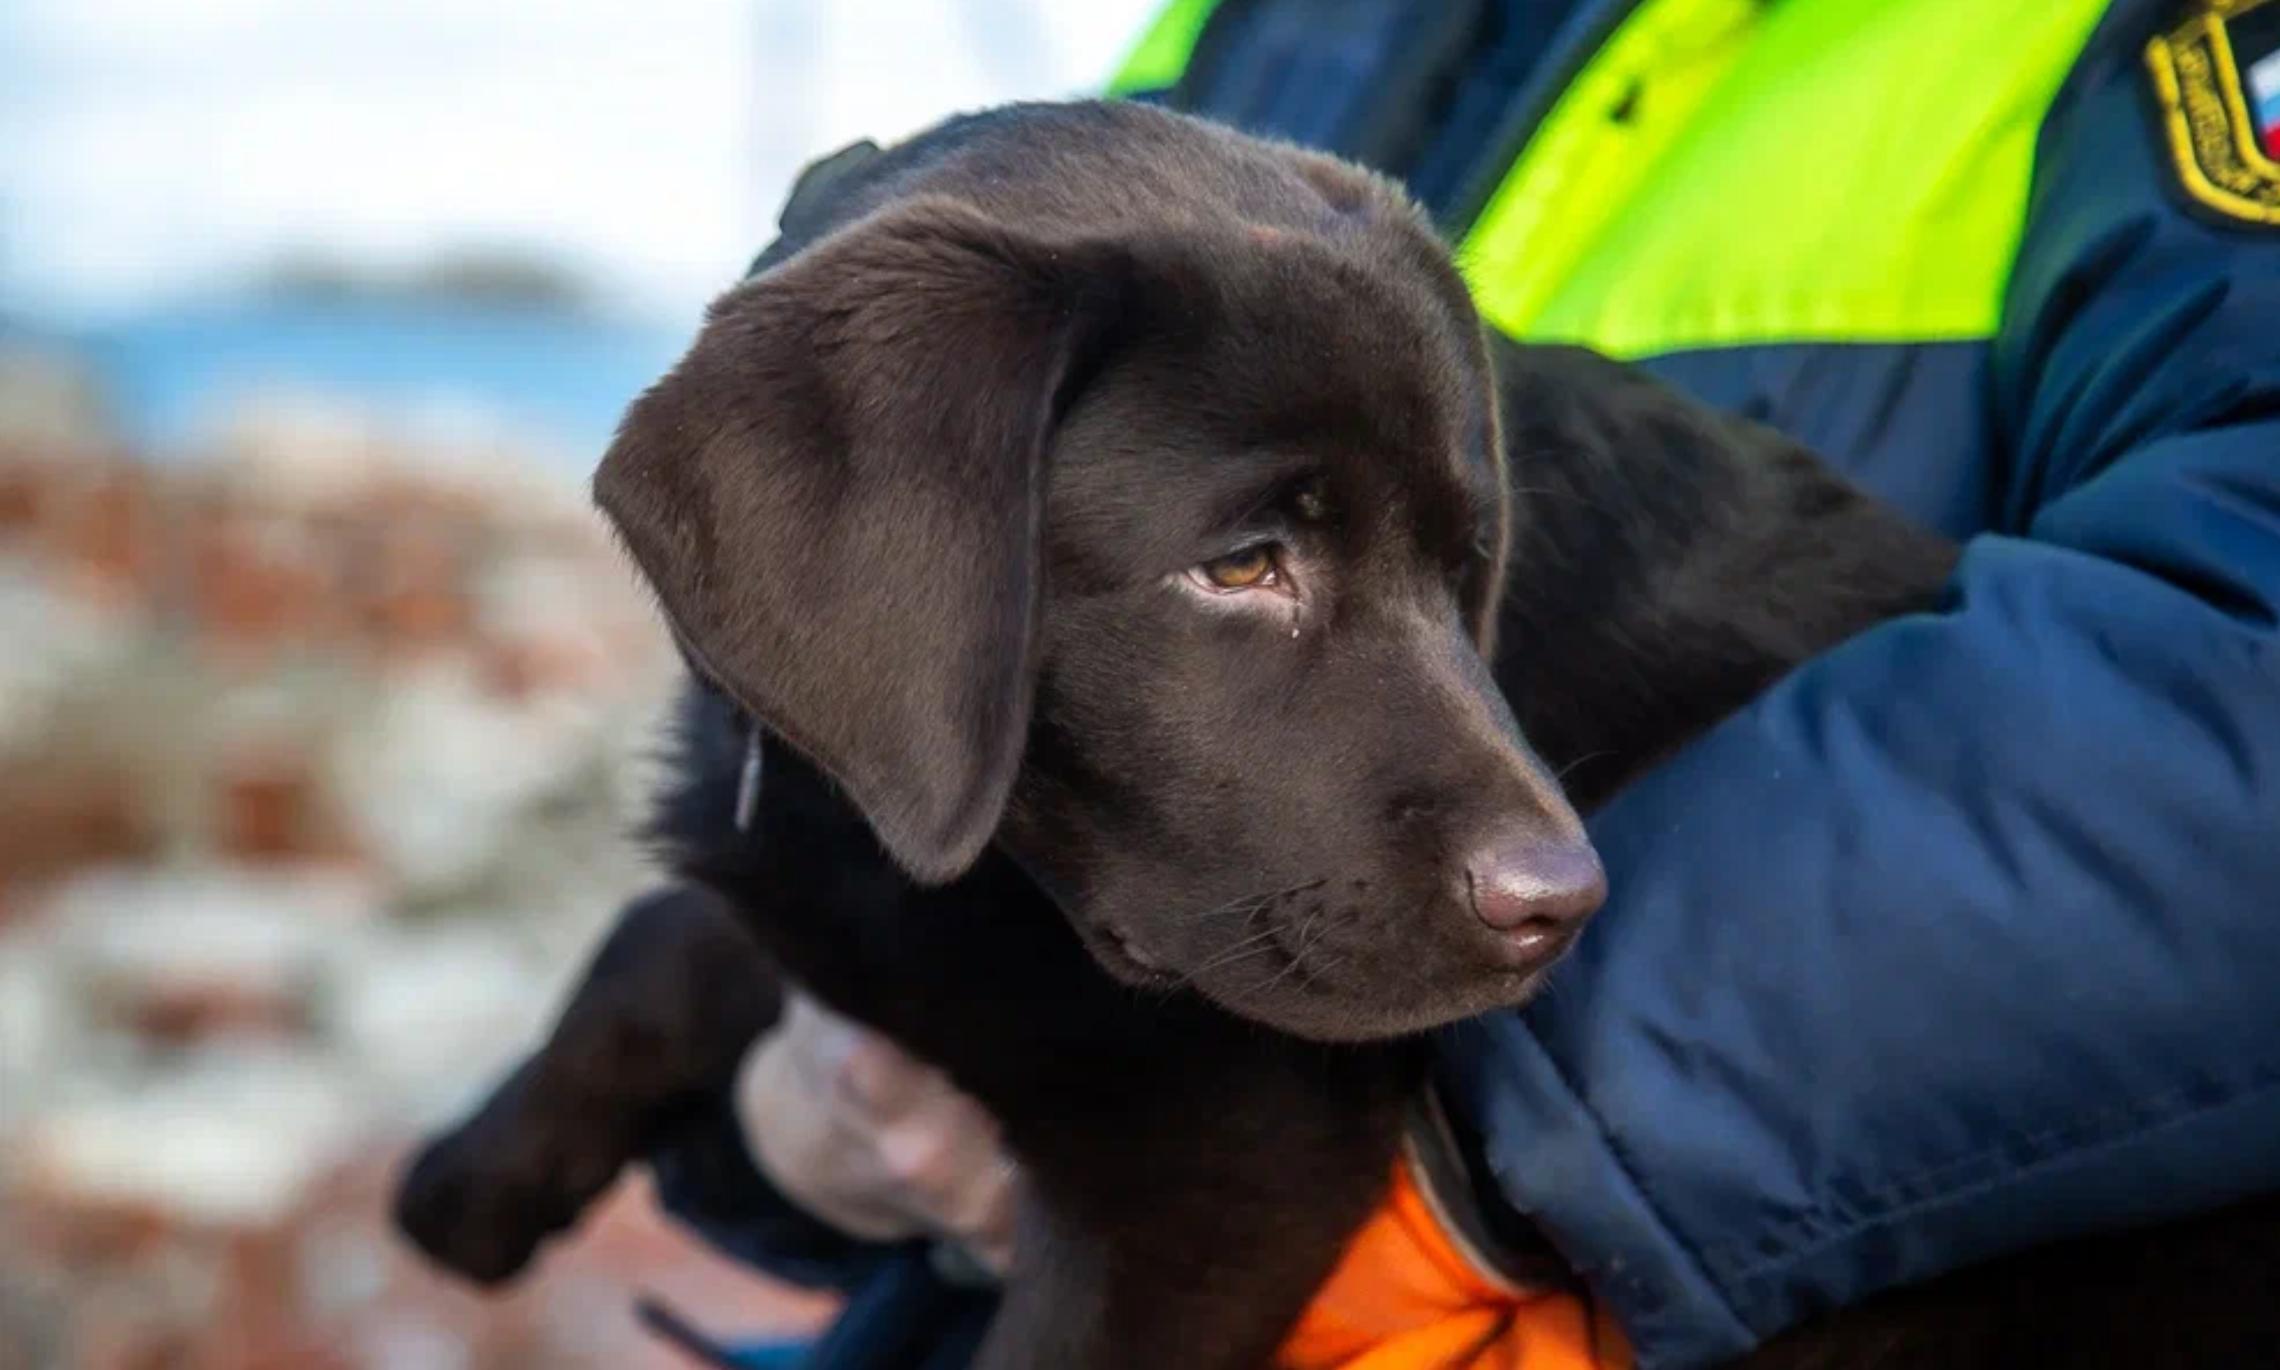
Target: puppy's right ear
<point>812,193</point>
<point>838,497</point>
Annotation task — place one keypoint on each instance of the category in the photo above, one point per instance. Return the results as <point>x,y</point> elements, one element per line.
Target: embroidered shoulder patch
<point>2217,77</point>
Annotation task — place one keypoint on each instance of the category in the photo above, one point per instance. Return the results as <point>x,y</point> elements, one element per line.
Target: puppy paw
<point>482,1199</point>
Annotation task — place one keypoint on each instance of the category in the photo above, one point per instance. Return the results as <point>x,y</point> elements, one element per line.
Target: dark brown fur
<point>911,502</point>
<point>1086,348</point>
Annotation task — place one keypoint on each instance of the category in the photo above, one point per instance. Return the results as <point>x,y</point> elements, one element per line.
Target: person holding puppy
<point>1960,939</point>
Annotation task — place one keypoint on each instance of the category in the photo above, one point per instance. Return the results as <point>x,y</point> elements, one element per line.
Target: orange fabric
<point>1406,1297</point>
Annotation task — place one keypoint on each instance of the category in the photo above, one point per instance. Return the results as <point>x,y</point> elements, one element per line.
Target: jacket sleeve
<point>1966,936</point>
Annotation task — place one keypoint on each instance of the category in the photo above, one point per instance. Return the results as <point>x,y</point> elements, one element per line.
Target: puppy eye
<point>1253,568</point>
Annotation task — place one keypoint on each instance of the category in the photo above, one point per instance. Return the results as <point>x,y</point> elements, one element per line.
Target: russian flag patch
<point>2263,82</point>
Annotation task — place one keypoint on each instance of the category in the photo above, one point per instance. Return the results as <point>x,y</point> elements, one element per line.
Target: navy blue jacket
<point>1966,935</point>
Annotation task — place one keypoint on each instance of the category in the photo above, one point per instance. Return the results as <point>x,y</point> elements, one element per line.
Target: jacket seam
<point>1678,1240</point>
<point>2111,1123</point>
<point>1854,1228</point>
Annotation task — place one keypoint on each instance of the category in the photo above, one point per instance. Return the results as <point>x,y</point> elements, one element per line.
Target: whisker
<point>1316,971</point>
<point>1521,457</point>
<point>1298,957</point>
<point>1562,775</point>
<point>1261,947</point>
<point>1228,955</point>
<point>1252,944</point>
<point>1256,899</point>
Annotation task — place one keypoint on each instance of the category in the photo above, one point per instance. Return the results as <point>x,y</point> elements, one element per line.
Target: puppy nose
<point>1536,891</point>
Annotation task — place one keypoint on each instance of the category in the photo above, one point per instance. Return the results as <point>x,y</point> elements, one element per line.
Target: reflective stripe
<point>1157,60</point>
<point>1727,172</point>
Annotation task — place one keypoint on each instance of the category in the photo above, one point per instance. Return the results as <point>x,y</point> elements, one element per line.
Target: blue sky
<point>153,150</point>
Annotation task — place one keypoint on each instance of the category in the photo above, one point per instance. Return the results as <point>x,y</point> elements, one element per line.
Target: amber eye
<point>1250,569</point>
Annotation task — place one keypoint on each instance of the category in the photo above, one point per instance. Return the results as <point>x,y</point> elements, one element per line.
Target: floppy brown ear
<point>838,497</point>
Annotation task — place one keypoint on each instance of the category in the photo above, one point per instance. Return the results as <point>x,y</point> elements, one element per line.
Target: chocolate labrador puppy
<point>1127,674</point>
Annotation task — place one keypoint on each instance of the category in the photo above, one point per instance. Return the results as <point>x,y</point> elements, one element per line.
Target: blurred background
<point>324,704</point>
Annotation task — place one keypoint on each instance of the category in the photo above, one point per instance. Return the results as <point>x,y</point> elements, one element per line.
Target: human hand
<point>871,1140</point>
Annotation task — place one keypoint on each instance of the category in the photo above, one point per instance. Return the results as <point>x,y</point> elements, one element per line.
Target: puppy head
<point>1155,540</point>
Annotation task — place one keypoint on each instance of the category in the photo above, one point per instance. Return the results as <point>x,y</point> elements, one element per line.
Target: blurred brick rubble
<point>317,754</point>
